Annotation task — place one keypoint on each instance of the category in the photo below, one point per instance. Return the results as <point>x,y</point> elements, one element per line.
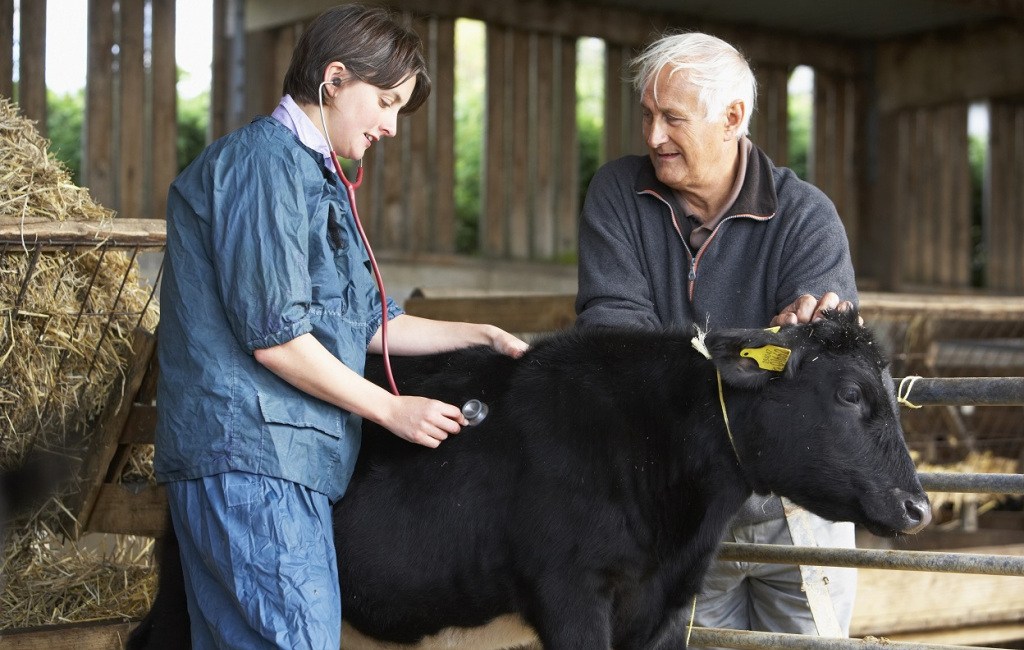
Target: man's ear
<point>734,114</point>
<point>748,358</point>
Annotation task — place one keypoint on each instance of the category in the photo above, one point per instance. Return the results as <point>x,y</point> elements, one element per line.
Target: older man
<point>705,230</point>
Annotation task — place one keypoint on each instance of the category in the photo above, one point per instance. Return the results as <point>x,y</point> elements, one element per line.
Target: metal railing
<point>747,640</point>
<point>1007,391</point>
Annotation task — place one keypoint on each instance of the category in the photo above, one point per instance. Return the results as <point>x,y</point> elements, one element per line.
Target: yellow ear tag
<point>769,357</point>
<point>773,330</point>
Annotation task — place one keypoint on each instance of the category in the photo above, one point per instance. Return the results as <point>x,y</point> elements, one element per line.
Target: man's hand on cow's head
<point>808,308</point>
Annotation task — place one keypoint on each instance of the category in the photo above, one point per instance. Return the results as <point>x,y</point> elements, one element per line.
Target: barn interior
<point>899,93</point>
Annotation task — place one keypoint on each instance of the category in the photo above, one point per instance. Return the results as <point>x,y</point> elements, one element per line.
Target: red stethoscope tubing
<point>350,188</point>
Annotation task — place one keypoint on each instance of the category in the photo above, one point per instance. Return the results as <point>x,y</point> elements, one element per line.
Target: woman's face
<point>359,114</point>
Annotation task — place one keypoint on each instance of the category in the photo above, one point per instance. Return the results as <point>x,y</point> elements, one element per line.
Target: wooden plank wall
<point>6,48</point>
<point>31,73</point>
<point>833,165</point>
<point>130,141</point>
<point>769,125</point>
<point>1005,232</point>
<point>31,55</point>
<point>408,200</point>
<point>930,196</point>
<point>530,157</point>
<point>623,127</point>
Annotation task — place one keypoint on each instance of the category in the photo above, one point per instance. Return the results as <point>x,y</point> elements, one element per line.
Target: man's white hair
<point>720,72</point>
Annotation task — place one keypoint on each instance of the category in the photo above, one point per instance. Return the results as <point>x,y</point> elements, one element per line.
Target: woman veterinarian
<point>267,312</point>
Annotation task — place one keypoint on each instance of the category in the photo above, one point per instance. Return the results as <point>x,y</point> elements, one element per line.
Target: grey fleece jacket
<point>782,238</point>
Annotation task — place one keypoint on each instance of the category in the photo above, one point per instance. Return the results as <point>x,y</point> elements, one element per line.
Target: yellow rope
<point>693,614</point>
<point>725,415</point>
<point>903,392</point>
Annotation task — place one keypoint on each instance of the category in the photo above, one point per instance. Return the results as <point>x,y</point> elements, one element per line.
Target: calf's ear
<point>747,358</point>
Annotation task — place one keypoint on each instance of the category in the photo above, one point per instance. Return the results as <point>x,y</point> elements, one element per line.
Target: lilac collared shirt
<point>289,114</point>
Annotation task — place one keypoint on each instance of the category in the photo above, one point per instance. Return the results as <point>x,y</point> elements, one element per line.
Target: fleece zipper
<point>691,278</point>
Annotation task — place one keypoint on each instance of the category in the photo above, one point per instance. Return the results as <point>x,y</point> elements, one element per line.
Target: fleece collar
<point>757,197</point>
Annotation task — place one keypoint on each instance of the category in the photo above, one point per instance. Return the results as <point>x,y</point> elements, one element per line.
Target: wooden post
<point>219,72</point>
<point>165,106</point>
<point>567,200</point>
<point>7,48</point>
<point>442,125</point>
<point>1004,239</point>
<point>517,136</point>
<point>494,200</point>
<point>103,444</point>
<point>131,183</point>
<point>547,157</point>
<point>98,152</point>
<point>770,124</point>
<point>32,74</point>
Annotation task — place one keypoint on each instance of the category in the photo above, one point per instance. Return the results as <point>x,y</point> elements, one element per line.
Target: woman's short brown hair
<point>372,45</point>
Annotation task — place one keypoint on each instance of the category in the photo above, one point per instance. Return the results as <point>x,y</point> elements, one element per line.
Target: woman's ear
<point>335,73</point>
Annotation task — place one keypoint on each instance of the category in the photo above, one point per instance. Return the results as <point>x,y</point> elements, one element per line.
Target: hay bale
<point>67,316</point>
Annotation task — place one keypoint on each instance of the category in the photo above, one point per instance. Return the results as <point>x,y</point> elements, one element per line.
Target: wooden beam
<point>891,602</point>
<point>33,231</point>
<point>770,123</point>
<point>965,66</point>
<point>567,202</point>
<point>493,212</point>
<point>443,131</point>
<point>98,152</point>
<point>140,425</point>
<point>545,157</point>
<point>521,313</point>
<point>165,106</point>
<point>220,79</point>
<point>414,131</point>
<point>105,438</point>
<point>32,64</point>
<point>1004,236</point>
<point>129,510</point>
<point>522,56</point>
<point>98,635</point>
<point>580,18</point>
<point>950,307</point>
<point>7,48</point>
<point>541,312</point>
<point>131,177</point>
<point>834,137</point>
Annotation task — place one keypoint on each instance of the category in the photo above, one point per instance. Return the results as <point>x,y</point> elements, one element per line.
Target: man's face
<point>687,150</point>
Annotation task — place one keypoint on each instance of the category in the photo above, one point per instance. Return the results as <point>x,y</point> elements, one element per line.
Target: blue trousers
<point>259,561</point>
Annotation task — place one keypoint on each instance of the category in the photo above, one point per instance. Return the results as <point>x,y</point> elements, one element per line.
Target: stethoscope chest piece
<point>474,411</point>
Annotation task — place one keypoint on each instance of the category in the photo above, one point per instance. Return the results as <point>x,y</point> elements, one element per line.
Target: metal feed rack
<point>35,239</point>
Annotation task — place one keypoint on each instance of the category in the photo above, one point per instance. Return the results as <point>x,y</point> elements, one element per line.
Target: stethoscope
<point>474,410</point>
<point>350,189</point>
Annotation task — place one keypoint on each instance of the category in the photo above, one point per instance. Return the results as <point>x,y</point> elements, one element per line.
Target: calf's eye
<point>849,394</point>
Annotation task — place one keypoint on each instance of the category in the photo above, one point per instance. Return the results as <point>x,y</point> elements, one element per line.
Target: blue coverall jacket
<point>261,248</point>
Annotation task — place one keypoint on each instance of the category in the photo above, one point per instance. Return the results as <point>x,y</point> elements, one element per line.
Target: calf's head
<point>821,426</point>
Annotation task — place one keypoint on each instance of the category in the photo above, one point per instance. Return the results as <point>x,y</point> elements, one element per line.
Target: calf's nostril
<point>918,512</point>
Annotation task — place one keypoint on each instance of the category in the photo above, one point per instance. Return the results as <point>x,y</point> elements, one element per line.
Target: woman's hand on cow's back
<point>507,344</point>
